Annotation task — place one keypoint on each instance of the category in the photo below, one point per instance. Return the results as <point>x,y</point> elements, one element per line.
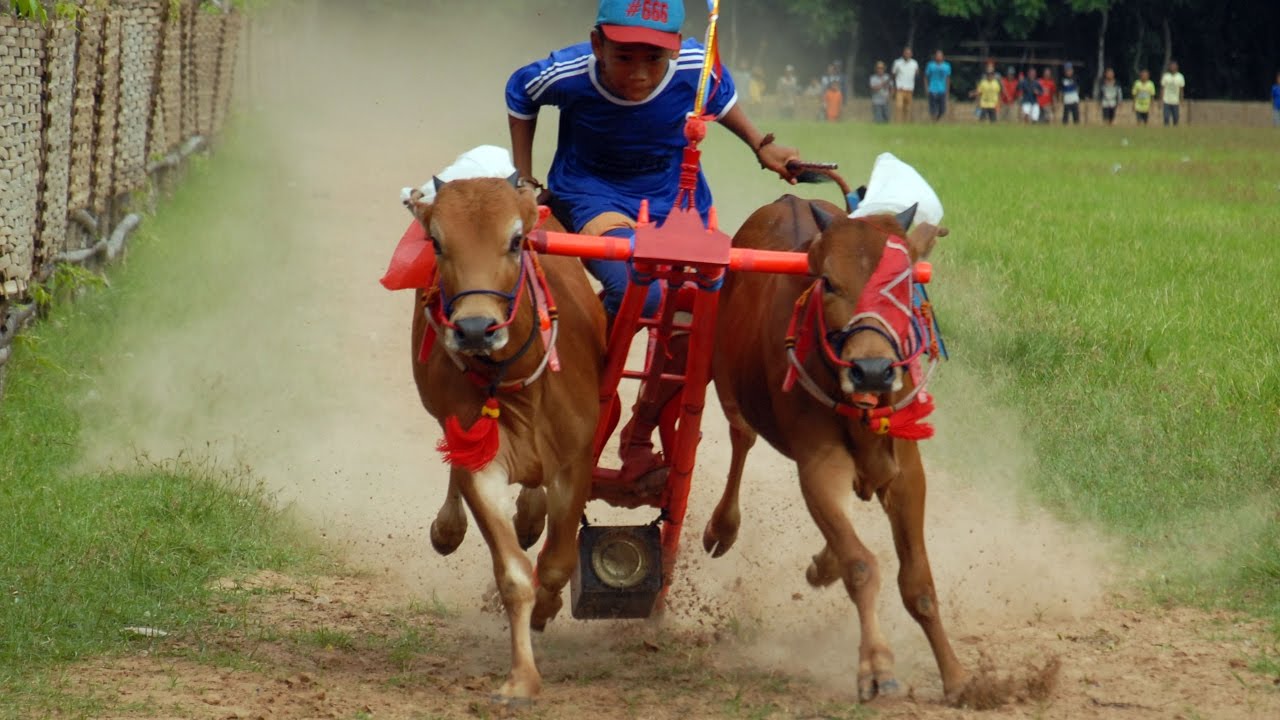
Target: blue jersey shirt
<point>612,153</point>
<point>936,73</point>
<point>1275,96</point>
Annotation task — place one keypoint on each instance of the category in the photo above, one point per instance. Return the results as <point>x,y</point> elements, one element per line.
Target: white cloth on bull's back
<point>482,161</point>
<point>896,186</point>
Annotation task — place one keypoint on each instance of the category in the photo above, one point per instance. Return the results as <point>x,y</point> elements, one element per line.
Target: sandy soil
<point>360,105</point>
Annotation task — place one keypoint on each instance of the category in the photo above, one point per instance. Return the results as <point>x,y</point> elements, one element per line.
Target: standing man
<point>1070,90</point>
<point>1143,92</point>
<point>1030,90</point>
<point>1171,84</point>
<point>1275,102</point>
<point>788,91</point>
<point>904,83</point>
<point>881,85</point>
<point>937,76</point>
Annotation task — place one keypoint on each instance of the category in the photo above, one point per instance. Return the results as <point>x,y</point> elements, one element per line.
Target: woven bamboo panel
<point>231,26</point>
<point>21,63</point>
<point>139,42</point>
<point>84,116</point>
<point>59,79</point>
<point>166,118</point>
<point>190,125</point>
<point>108,112</point>
<point>208,43</point>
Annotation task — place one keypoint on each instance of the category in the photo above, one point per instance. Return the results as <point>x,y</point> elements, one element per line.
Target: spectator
<point>1030,90</point>
<point>1275,102</point>
<point>1046,98</point>
<point>988,94</point>
<point>788,91</point>
<point>904,83</point>
<point>1070,91</point>
<point>813,98</point>
<point>881,85</point>
<point>1111,95</point>
<point>833,76</point>
<point>832,101</point>
<point>1009,93</point>
<point>1171,84</point>
<point>937,76</point>
<point>1143,92</point>
<point>756,85</point>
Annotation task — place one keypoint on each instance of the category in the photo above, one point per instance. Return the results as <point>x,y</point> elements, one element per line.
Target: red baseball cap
<point>650,22</point>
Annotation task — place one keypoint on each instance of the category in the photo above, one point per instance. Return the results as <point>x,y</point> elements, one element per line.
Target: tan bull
<point>491,349</point>
<point>836,454</point>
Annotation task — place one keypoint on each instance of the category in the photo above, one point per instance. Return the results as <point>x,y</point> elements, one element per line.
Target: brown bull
<point>836,454</point>
<point>490,338</point>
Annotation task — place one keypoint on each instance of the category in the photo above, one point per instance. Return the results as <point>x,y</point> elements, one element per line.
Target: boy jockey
<point>623,99</point>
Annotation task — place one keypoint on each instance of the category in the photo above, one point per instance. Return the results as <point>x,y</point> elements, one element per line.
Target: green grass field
<point>1113,288</point>
<point>87,555</point>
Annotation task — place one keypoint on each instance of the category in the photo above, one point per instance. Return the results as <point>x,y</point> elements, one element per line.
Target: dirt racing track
<point>358,109</point>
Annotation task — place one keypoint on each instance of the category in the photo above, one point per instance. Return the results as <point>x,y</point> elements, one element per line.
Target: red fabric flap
<point>413,264</point>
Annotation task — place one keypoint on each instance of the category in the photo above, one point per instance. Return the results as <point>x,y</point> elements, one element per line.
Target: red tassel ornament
<point>905,424</point>
<point>474,448</point>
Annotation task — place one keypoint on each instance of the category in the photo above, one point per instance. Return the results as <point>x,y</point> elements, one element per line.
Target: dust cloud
<point>309,383</point>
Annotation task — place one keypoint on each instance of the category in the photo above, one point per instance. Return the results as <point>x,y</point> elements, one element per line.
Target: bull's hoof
<point>717,540</point>
<point>870,688</point>
<point>546,607</point>
<point>819,574</point>
<point>510,702</point>
<point>445,542</point>
<point>531,516</point>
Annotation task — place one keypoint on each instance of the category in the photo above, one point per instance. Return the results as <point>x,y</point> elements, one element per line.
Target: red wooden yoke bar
<point>690,260</point>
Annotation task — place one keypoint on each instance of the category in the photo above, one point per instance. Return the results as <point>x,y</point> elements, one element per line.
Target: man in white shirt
<point>1171,84</point>
<point>904,82</point>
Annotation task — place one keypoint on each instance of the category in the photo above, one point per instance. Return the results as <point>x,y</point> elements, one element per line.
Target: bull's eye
<point>435,245</point>
<point>517,241</point>
<point>829,286</point>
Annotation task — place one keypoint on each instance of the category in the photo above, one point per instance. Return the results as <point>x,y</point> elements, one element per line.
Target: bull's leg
<point>486,493</point>
<point>722,528</point>
<point>450,525</point>
<point>531,516</point>
<point>566,497</point>
<point>825,483</point>
<point>903,501</point>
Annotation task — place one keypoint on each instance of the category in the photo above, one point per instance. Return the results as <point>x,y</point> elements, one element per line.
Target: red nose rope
<point>886,300</point>
<point>473,448</point>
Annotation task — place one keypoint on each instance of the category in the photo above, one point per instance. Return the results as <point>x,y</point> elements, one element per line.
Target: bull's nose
<point>474,333</point>
<point>873,375</point>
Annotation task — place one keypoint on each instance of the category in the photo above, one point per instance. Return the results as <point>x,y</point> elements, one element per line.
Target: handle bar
<point>591,247</point>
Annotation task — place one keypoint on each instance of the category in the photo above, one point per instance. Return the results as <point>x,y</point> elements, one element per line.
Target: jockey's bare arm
<point>771,155</point>
<point>522,144</point>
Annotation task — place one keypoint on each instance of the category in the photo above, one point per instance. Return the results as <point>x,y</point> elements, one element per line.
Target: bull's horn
<point>514,179</point>
<point>906,217</point>
<point>438,182</point>
<point>820,216</point>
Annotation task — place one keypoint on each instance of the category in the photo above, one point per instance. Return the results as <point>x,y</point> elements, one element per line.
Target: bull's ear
<point>906,217</point>
<point>817,254</point>
<point>420,209</point>
<point>820,216</point>
<point>437,182</point>
<point>922,238</point>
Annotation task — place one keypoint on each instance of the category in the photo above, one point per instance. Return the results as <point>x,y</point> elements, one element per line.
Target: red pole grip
<point>770,261</point>
<point>590,247</point>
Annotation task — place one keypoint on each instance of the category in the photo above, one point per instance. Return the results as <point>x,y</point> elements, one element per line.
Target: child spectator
<point>1110,96</point>
<point>1009,92</point>
<point>881,86</point>
<point>988,94</point>
<point>832,101</point>
<point>1070,95</point>
<point>1046,98</point>
<point>1143,92</point>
